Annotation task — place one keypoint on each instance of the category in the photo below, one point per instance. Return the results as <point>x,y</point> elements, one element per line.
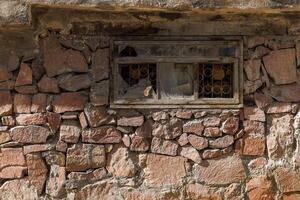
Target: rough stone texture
<point>120,163</point>
<point>6,103</point>
<point>211,121</point>
<point>79,179</point>
<point>280,138</point>
<point>255,114</point>
<point>18,190</point>
<point>70,131</point>
<point>99,190</point>
<point>279,108</point>
<point>211,153</point>
<point>99,93</point>
<point>254,128</point>
<point>37,172</point>
<point>57,61</point>
<point>12,163</point>
<point>139,143</point>
<point>191,154</point>
<point>39,103</point>
<point>252,69</point>
<point>158,173</point>
<point>145,130</point>
<point>31,119</point>
<point>287,180</point>
<point>69,102</point>
<point>54,121</point>
<point>254,146</point>
<point>195,126</point>
<point>274,62</point>
<point>81,157</point>
<point>29,134</point>
<point>162,146</point>
<point>197,191</point>
<point>198,142</point>
<point>74,83</point>
<point>229,170</point>
<point>48,85</point>
<point>98,116</point>
<point>168,129</point>
<point>4,137</point>
<point>100,64</point>
<point>22,103</point>
<point>131,121</point>
<point>57,177</point>
<point>230,126</point>
<point>285,93</point>
<point>183,139</point>
<point>222,142</point>
<point>184,114</point>
<point>212,132</point>
<point>102,135</point>
<point>25,76</point>
<point>259,188</point>
<point>36,148</point>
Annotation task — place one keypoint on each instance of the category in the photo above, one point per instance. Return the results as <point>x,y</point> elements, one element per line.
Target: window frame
<point>195,102</point>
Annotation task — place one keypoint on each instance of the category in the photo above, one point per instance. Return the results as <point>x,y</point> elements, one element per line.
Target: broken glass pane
<point>215,80</point>
<point>176,80</point>
<point>137,81</point>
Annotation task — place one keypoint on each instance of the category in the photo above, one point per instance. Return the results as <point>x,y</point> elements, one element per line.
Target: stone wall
<point>59,138</point>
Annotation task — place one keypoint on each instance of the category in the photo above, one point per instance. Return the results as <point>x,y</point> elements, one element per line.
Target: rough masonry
<point>60,139</point>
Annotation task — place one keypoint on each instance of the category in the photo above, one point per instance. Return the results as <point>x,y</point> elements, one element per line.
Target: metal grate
<point>215,81</point>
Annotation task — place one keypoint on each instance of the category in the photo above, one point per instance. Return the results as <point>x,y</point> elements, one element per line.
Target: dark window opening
<point>137,80</point>
<point>215,81</point>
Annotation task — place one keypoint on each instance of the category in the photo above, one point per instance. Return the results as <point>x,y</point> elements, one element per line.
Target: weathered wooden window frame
<point>195,102</point>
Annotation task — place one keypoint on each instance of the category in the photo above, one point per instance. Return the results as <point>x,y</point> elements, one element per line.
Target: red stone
<point>81,157</point>
<point>252,69</point>
<point>27,89</point>
<point>195,126</point>
<point>100,64</point>
<point>139,143</point>
<point>212,132</point>
<point>221,171</point>
<point>197,142</point>
<point>162,146</point>
<point>102,135</point>
<point>72,101</point>
<point>131,121</point>
<point>99,93</point>
<point>37,172</point>
<point>97,116</point>
<point>22,103</point>
<point>48,85</point>
<point>6,103</point>
<point>274,62</point>
<point>287,179</point>
<point>69,131</point>
<point>29,134</point>
<point>54,120</point>
<point>158,173</point>
<point>259,188</point>
<point>31,119</point>
<point>231,125</point>
<point>24,76</point>
<point>221,142</point>
<point>39,102</point>
<point>254,146</point>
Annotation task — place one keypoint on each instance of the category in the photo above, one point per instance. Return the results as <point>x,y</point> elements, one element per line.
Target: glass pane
<point>215,80</point>
<point>176,80</point>
<point>137,81</point>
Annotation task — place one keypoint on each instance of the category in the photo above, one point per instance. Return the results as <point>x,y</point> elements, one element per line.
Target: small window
<point>176,74</point>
